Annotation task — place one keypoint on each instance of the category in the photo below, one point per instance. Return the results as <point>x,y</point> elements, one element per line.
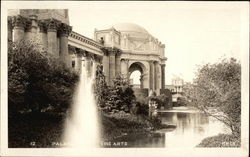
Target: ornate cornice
<point>28,25</point>
<point>42,26</point>
<point>52,24</point>
<point>18,21</point>
<point>64,29</point>
<point>111,51</point>
<point>81,52</point>
<point>72,49</point>
<point>151,61</point>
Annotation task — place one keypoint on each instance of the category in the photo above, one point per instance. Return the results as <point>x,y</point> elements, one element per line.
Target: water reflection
<point>191,128</point>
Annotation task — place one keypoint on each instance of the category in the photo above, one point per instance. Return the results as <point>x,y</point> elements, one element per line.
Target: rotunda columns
<point>31,28</point>
<point>78,62</point>
<point>151,74</point>
<point>105,62</point>
<point>88,63</point>
<point>18,31</point>
<point>155,75</point>
<point>52,38</point>
<point>64,31</point>
<point>124,67</point>
<point>10,28</point>
<point>112,67</point>
<point>162,76</point>
<point>43,35</point>
<point>118,63</point>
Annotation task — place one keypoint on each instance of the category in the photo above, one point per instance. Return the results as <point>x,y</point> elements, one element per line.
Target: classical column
<point>43,35</point>
<point>88,62</point>
<point>159,77</point>
<point>156,71</point>
<point>78,62</point>
<point>10,27</point>
<point>64,31</point>
<point>52,38</point>
<point>162,76</point>
<point>95,63</point>
<point>18,23</point>
<point>118,63</point>
<point>73,54</point>
<point>105,62</point>
<point>141,81</point>
<point>151,74</point>
<point>31,28</point>
<point>112,66</point>
<point>80,57</point>
<point>124,67</point>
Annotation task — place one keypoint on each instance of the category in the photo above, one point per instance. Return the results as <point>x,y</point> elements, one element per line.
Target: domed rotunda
<point>140,51</point>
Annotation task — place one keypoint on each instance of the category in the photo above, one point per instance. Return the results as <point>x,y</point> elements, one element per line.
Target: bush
<point>36,80</point>
<point>221,140</point>
<point>114,98</point>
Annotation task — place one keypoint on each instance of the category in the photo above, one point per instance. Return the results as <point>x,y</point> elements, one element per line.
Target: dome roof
<point>129,27</point>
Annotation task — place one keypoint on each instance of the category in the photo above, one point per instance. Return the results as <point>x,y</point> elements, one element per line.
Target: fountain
<point>82,126</point>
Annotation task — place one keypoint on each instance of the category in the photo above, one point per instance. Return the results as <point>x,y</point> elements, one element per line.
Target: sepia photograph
<point>115,78</point>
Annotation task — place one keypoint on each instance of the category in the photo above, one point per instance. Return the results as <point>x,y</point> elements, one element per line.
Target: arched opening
<point>135,79</point>
<point>136,71</point>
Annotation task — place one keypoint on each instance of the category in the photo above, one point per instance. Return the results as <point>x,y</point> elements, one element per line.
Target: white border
<point>5,151</point>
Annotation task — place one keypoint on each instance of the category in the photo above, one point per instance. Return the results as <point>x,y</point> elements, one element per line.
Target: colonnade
<point>53,38</point>
<point>156,75</point>
<point>51,34</point>
<point>84,58</point>
<point>111,63</point>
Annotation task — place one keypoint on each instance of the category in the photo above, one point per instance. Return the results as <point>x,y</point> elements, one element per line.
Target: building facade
<point>120,49</point>
<point>140,51</point>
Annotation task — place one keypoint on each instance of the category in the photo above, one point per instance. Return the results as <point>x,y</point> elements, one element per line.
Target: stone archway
<point>141,68</point>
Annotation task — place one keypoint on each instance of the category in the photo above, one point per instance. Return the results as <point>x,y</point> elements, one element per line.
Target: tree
<point>101,88</point>
<point>217,92</point>
<point>117,97</point>
<point>36,80</point>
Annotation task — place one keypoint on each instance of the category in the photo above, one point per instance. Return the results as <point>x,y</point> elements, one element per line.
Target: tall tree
<point>217,91</point>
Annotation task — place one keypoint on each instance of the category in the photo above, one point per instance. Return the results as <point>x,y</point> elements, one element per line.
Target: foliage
<point>126,123</point>
<point>140,109</point>
<point>117,97</point>
<point>221,140</point>
<point>181,101</point>
<point>43,128</point>
<point>216,91</point>
<point>36,80</point>
<point>101,88</point>
<point>121,95</point>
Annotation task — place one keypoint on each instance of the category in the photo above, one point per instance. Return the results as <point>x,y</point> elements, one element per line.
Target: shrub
<point>221,140</point>
<point>114,98</point>
<point>36,80</point>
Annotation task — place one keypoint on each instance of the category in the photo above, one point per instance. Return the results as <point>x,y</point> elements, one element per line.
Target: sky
<point>193,33</point>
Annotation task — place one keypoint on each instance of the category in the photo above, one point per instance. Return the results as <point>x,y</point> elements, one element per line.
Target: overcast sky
<point>194,33</point>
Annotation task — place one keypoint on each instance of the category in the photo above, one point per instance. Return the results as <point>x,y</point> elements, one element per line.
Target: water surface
<point>191,128</point>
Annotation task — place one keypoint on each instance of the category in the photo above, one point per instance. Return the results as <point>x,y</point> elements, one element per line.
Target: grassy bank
<point>221,140</point>
<point>117,124</point>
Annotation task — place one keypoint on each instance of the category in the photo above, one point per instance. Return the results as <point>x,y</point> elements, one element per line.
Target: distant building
<point>176,89</point>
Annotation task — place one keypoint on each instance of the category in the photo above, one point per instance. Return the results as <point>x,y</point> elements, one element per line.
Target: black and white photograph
<point>124,78</point>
